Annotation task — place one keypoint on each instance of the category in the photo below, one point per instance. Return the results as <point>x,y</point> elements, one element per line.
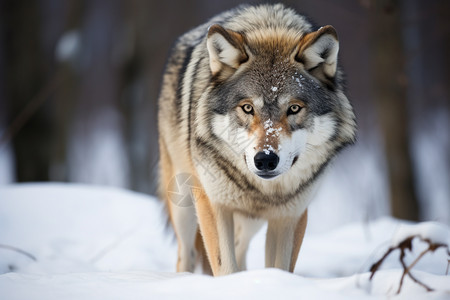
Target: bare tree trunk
<point>444,21</point>
<point>26,75</point>
<point>96,146</point>
<point>6,155</point>
<point>141,80</point>
<point>390,88</point>
<point>65,97</point>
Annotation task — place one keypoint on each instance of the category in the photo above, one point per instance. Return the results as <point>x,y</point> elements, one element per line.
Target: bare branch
<point>406,244</point>
<point>32,257</point>
<point>406,270</point>
<point>377,265</point>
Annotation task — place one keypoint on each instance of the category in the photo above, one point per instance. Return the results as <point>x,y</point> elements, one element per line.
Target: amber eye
<point>294,109</point>
<point>248,109</point>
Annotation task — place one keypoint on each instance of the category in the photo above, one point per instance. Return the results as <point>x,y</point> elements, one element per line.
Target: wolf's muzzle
<point>266,162</point>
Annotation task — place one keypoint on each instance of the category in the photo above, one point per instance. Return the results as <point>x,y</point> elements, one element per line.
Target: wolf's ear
<point>225,48</point>
<point>318,52</point>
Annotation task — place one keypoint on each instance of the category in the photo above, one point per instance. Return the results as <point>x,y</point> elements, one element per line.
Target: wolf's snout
<point>266,162</point>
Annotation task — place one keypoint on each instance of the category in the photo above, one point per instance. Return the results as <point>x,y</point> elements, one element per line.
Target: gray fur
<point>192,98</point>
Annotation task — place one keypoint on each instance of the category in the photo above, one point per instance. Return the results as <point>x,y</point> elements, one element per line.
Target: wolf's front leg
<point>184,222</point>
<point>217,228</point>
<point>244,230</point>
<point>283,241</point>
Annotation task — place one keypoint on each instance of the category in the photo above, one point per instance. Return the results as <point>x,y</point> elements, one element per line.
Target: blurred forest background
<point>79,82</point>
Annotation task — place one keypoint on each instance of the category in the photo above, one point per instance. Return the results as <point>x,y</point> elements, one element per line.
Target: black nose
<point>266,162</point>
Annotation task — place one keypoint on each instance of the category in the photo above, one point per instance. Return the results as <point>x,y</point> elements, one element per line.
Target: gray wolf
<point>251,112</point>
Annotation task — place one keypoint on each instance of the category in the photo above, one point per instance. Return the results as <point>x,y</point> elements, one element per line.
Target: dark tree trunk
<point>96,143</point>
<point>65,97</point>
<point>141,79</point>
<point>391,99</point>
<point>31,135</point>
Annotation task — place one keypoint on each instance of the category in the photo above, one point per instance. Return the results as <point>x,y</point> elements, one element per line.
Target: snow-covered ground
<point>85,242</point>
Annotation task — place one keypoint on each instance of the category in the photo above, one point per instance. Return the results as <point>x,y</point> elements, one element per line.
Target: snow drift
<point>84,242</point>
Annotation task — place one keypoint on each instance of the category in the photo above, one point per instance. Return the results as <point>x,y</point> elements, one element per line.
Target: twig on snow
<point>406,244</point>
<point>32,257</point>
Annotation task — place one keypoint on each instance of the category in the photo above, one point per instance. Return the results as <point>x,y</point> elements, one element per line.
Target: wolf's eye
<point>247,108</point>
<point>293,109</point>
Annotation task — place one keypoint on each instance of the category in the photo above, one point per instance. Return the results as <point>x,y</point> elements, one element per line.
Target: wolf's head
<point>277,98</point>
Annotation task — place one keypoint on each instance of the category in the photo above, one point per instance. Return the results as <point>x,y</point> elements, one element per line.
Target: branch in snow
<point>404,245</point>
<point>32,257</point>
